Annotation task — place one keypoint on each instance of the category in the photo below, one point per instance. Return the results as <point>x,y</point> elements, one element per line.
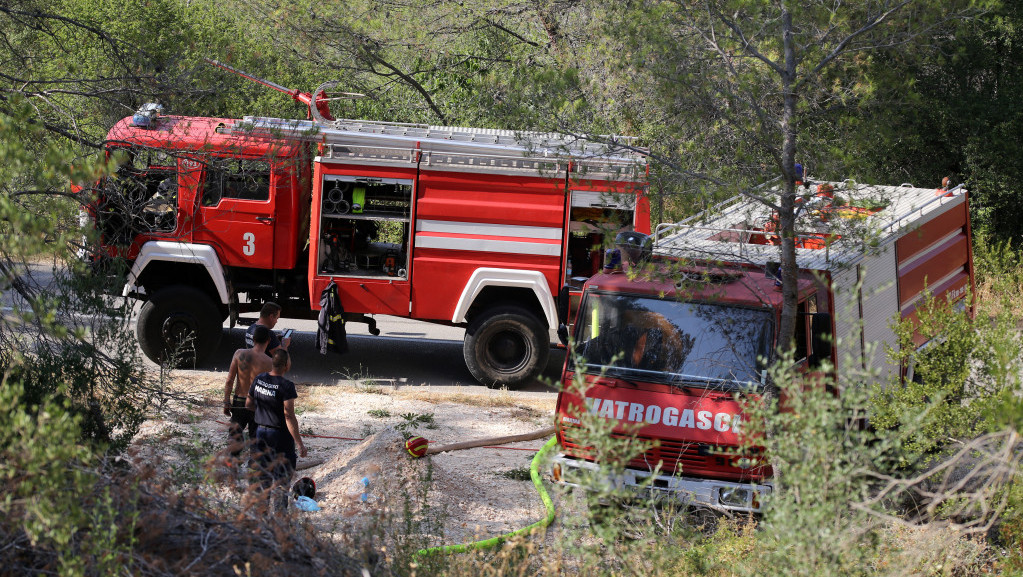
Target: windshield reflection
<point>665,340</point>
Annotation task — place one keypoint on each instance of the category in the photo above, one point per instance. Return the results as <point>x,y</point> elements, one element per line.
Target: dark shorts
<point>242,419</point>
<point>275,453</point>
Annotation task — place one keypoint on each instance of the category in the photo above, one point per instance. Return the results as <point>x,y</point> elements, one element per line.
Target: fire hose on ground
<point>534,474</point>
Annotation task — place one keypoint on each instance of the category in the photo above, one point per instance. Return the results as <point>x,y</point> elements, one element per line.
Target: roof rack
<point>734,230</point>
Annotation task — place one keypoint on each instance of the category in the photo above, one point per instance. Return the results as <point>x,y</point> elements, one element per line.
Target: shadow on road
<point>387,360</point>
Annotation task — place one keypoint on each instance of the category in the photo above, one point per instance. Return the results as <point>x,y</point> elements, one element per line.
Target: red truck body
<point>471,227</point>
<point>668,351</point>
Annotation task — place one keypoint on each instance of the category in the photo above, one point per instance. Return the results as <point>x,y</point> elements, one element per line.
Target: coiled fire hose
<point>534,474</point>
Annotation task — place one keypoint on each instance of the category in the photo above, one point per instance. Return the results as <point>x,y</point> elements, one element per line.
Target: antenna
<point>322,111</point>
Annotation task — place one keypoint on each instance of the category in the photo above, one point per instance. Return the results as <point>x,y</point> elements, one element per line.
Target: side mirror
<point>821,338</point>
<point>563,310</point>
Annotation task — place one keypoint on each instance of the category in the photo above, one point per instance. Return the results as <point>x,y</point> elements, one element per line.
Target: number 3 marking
<point>250,244</point>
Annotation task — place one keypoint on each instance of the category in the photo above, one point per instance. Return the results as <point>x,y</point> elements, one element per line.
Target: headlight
<point>735,496</point>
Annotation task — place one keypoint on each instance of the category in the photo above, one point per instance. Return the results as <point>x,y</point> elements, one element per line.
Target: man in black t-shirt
<point>272,398</point>
<point>268,317</point>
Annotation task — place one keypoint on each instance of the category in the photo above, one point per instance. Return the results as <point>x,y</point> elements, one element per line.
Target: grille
<point>681,457</point>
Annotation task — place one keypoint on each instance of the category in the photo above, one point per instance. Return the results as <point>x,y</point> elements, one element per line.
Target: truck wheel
<point>179,326</point>
<point>506,346</point>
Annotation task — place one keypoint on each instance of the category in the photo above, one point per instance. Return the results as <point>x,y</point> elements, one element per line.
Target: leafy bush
<point>63,337</point>
<point>959,379</point>
<point>57,513</point>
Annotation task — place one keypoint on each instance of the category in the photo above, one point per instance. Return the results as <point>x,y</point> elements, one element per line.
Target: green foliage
<point>55,508</point>
<point>816,522</point>
<point>957,98</point>
<point>998,271</point>
<point>410,423</point>
<point>64,338</point>
<point>1011,530</point>
<point>517,474</point>
<point>962,379</point>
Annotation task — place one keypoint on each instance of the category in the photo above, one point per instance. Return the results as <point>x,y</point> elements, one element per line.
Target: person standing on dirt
<point>272,399</point>
<point>245,365</point>
<point>268,317</point>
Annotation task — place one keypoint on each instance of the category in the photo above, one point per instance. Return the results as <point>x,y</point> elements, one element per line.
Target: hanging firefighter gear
<point>330,333</point>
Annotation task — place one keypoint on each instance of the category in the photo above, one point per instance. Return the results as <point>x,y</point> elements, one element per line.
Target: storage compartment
<point>595,220</point>
<point>364,227</point>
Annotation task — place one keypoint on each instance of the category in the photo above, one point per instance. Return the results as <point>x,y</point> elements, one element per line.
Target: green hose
<point>534,474</point>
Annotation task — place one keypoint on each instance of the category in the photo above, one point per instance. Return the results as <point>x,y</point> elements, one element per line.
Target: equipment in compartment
<point>337,200</point>
<point>336,254</point>
<point>351,247</point>
<point>365,227</point>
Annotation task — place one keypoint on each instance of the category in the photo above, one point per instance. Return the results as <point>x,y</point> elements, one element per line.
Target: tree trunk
<point>787,212</point>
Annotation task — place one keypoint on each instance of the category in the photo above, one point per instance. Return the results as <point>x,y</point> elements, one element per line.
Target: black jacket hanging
<point>330,333</point>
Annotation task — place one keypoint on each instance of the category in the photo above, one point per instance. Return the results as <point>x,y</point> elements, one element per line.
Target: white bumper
<point>726,495</point>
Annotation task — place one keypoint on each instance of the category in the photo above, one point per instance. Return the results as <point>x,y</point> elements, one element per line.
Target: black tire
<point>506,346</point>
<point>179,326</point>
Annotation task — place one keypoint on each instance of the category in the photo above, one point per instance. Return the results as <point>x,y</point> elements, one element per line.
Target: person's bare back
<point>247,363</point>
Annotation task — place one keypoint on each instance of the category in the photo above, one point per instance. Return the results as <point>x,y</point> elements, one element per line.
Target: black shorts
<point>243,418</point>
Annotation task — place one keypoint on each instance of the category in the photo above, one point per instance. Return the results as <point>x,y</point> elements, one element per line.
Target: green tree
<point>62,338</point>
<point>768,74</point>
<point>958,114</point>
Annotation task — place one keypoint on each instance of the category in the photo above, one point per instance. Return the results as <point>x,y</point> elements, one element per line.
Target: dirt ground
<point>355,432</point>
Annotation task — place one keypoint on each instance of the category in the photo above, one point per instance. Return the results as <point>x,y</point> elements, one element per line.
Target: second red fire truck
<point>667,349</point>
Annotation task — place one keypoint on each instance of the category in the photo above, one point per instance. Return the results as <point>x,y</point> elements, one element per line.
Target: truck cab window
<point>236,179</point>
<point>140,197</point>
<point>665,340</point>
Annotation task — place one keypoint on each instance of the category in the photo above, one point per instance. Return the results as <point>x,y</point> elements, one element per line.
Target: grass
<point>365,383</point>
<point>311,398</point>
<point>516,474</point>
<point>524,408</point>
<point>545,406</point>
<point>379,413</point>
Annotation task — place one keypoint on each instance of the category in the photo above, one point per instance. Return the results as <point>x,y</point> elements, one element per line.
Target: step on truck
<point>665,351</point>
<point>470,227</point>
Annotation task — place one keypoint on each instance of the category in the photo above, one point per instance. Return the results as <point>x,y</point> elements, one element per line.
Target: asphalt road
<point>406,353</point>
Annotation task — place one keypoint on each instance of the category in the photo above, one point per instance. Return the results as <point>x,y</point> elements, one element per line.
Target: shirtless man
<point>246,364</point>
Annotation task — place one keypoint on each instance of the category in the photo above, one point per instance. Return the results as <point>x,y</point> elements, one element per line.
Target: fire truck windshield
<point>664,340</point>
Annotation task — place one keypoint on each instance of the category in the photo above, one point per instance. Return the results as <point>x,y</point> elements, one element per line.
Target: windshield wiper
<point>714,382</point>
<point>611,371</point>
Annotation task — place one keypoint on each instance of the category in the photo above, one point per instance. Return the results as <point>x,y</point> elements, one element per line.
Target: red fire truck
<point>471,227</point>
<point>668,350</point>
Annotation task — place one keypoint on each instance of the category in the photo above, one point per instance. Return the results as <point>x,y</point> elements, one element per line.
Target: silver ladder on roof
<point>444,139</point>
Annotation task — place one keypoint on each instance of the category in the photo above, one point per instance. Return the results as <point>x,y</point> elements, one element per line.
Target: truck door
<point>236,211</point>
<point>595,218</point>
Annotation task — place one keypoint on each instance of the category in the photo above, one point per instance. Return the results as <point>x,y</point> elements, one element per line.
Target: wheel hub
<point>508,351</point>
<point>179,330</point>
